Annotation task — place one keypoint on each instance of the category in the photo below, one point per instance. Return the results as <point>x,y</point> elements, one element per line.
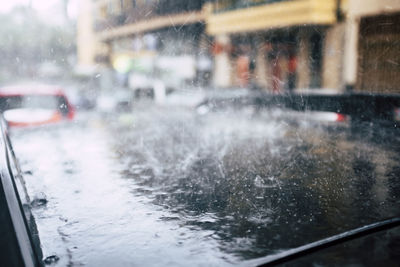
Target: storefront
<point>379,54</point>
<point>276,60</point>
<point>275,45</point>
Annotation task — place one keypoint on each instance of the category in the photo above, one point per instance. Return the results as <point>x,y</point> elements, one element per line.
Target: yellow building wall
<point>151,24</point>
<point>275,15</point>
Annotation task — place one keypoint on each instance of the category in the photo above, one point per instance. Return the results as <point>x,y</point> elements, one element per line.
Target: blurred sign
<point>183,67</point>
<point>122,63</point>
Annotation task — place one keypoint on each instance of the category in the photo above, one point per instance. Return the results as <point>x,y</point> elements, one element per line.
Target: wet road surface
<point>166,186</point>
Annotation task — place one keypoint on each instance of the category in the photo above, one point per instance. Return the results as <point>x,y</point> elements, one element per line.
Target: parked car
<point>33,105</point>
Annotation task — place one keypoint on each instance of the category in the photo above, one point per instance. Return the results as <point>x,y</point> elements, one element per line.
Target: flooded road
<point>166,186</point>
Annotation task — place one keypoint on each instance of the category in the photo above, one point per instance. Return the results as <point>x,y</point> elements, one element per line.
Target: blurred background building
<point>146,40</point>
<point>273,45</point>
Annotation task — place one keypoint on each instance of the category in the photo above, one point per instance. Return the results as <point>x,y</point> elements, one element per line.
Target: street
<point>167,186</point>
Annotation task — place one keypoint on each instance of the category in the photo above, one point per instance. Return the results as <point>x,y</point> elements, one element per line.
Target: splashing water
<point>194,189</point>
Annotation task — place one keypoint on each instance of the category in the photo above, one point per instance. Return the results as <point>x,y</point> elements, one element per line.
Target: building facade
<point>274,45</point>
<point>157,39</point>
<point>372,48</point>
<point>279,44</point>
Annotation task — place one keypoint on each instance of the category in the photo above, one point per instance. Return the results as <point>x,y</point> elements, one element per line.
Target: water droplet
<point>51,259</point>
<point>39,200</point>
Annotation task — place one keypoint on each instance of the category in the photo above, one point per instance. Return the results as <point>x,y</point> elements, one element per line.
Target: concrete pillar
<point>303,65</point>
<point>86,39</point>
<point>222,76</point>
<point>333,50</point>
<point>351,52</point>
<point>262,68</point>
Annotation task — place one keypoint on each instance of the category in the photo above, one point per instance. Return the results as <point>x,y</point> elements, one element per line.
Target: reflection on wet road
<point>169,187</point>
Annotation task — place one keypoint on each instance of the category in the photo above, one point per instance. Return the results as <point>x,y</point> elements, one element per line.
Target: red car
<point>34,105</point>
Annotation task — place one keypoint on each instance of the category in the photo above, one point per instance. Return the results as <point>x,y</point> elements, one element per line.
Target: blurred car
<point>141,84</point>
<point>34,105</point>
<point>247,101</point>
<point>119,100</point>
